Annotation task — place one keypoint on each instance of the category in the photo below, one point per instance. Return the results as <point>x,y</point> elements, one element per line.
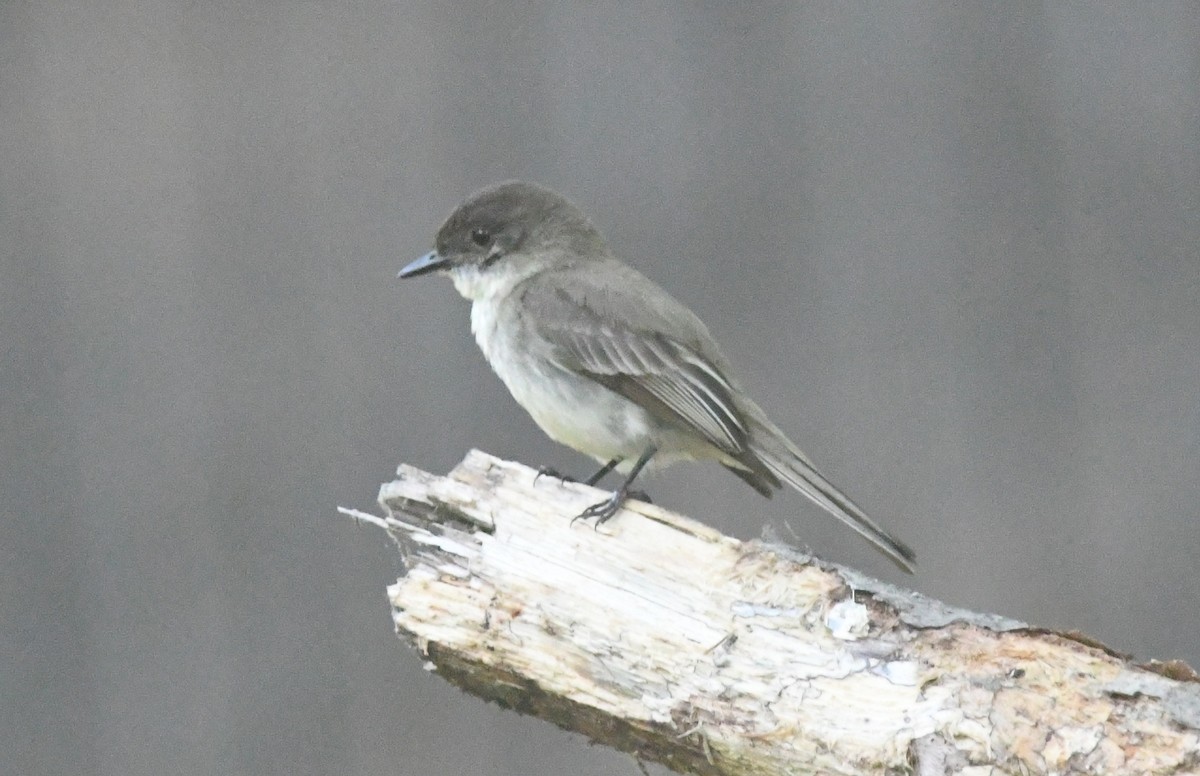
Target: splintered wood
<point>659,636</point>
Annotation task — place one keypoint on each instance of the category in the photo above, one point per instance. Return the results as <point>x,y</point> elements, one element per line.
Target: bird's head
<point>505,232</point>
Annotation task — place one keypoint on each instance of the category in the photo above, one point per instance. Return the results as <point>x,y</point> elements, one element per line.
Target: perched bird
<point>607,362</point>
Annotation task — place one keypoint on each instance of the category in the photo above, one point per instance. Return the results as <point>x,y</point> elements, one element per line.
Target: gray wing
<point>619,329</point>
<point>660,374</point>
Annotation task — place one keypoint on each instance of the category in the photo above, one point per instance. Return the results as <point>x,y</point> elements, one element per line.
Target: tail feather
<point>785,461</point>
<point>760,478</point>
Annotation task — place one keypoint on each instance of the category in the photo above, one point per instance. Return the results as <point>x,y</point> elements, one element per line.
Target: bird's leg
<point>639,495</point>
<point>550,471</point>
<point>607,508</point>
<point>605,469</point>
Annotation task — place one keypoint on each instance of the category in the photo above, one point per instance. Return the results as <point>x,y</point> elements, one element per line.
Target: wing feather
<point>689,390</point>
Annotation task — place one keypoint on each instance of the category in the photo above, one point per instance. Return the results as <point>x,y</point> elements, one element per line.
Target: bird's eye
<point>481,237</point>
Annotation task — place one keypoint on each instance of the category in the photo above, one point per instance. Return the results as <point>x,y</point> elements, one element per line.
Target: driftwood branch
<point>662,637</point>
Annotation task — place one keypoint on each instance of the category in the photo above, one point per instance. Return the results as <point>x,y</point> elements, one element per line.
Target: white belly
<point>571,409</point>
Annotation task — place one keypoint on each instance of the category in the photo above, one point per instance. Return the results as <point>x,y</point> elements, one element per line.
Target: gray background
<point>952,249</point>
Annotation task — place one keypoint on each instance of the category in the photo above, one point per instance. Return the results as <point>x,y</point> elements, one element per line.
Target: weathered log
<point>660,636</point>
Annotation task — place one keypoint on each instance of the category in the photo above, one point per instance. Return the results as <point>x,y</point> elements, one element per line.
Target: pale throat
<point>487,289</point>
<point>493,282</point>
<point>470,282</point>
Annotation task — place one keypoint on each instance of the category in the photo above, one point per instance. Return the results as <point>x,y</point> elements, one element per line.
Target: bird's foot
<point>550,471</point>
<point>604,510</point>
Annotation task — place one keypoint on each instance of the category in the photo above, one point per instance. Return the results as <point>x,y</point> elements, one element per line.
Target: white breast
<point>571,409</point>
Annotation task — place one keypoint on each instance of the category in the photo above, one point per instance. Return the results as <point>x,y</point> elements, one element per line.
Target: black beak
<point>430,262</point>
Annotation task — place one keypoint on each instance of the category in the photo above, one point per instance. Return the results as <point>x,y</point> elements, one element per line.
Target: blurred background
<point>951,249</point>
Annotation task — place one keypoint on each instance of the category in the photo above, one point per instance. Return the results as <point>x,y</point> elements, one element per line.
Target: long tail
<point>785,461</point>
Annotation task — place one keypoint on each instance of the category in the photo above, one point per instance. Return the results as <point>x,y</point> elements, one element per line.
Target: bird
<point>607,362</point>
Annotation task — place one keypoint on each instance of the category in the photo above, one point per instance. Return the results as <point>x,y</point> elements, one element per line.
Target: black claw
<point>550,471</point>
<point>604,510</point>
<point>610,506</point>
